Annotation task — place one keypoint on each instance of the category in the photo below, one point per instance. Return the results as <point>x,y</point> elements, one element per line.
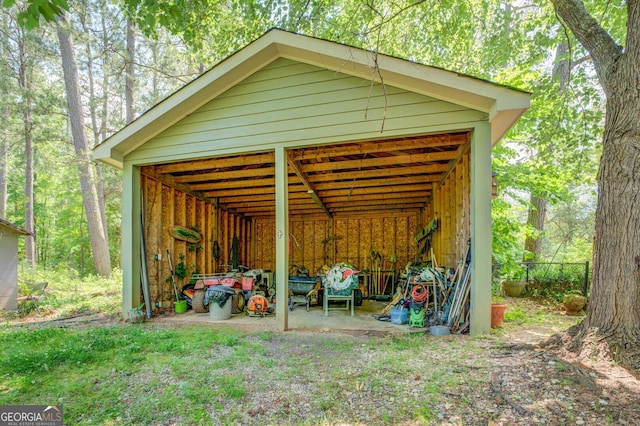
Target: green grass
<point>151,373</point>
<point>95,372</point>
<point>69,295</point>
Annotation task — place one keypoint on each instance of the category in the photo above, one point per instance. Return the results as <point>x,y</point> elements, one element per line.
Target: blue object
<point>399,315</point>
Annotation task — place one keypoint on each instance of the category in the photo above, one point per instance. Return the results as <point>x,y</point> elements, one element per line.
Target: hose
<point>419,293</point>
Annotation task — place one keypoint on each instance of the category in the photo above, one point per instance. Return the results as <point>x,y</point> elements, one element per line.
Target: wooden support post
<point>282,238</point>
<point>481,230</point>
<point>130,245</point>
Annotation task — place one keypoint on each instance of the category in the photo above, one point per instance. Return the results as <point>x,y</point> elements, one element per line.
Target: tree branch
<point>593,37</point>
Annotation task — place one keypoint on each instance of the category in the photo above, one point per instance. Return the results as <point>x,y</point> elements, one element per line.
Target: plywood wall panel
<point>340,231</point>
<point>365,232</point>
<point>389,238</point>
<point>296,242</point>
<point>320,234</point>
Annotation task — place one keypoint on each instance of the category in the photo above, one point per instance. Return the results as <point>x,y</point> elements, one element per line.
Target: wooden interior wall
<point>315,242</point>
<point>166,207</point>
<point>451,204</point>
<point>357,237</point>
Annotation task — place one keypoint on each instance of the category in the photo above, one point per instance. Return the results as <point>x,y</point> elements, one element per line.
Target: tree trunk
<point>24,80</point>
<point>130,73</point>
<point>613,316</point>
<point>3,164</point>
<point>614,309</point>
<point>29,223</point>
<point>97,232</point>
<point>4,118</point>
<point>538,210</point>
<point>535,219</point>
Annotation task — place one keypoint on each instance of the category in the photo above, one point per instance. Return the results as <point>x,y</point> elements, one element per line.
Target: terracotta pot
<point>497,314</point>
<point>514,288</point>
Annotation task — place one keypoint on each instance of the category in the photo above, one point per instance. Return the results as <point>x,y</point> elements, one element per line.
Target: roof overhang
<point>7,226</point>
<point>503,105</point>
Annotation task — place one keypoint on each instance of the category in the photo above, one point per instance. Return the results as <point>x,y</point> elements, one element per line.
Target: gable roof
<point>503,105</point>
<point>13,228</point>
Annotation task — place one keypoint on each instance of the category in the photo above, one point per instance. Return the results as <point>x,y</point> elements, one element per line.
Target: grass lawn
<point>110,372</point>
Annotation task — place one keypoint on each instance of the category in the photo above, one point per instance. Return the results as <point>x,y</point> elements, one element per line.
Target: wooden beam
<point>334,205</point>
<point>168,180</point>
<point>225,175</point>
<point>367,174</point>
<point>358,198</point>
<point>217,163</point>
<point>393,160</point>
<point>462,149</point>
<point>385,182</point>
<point>310,190</point>
<point>236,183</point>
<point>242,192</point>
<point>377,190</point>
<point>380,146</point>
<point>260,197</point>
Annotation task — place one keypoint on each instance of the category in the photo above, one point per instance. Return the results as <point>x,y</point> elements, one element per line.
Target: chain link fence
<point>554,279</point>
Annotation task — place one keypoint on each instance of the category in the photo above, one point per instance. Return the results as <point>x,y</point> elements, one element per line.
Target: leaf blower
<point>258,306</point>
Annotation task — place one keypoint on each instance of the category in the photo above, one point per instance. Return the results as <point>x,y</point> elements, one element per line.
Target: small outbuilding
<point>9,234</point>
<point>302,151</point>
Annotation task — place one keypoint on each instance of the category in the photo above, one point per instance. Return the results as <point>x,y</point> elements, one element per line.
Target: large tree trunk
<point>4,157</point>
<point>614,309</point>
<point>97,232</point>
<point>24,80</point>
<point>129,87</point>
<point>4,118</point>
<point>613,316</point>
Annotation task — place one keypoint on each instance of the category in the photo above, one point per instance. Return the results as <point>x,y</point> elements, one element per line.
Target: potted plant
<point>515,282</point>
<point>136,315</point>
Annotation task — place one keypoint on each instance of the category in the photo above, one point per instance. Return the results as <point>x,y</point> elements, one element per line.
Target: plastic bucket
<point>180,306</point>
<point>216,313</point>
<point>399,315</point>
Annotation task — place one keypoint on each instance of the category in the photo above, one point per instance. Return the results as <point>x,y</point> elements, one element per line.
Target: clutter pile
<point>433,296</point>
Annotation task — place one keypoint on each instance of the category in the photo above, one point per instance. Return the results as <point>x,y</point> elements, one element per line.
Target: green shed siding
<point>298,104</point>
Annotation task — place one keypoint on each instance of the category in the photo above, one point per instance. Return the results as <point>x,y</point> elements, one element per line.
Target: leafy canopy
<point>36,9</point>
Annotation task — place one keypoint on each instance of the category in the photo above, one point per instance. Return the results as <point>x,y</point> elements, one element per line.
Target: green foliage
<point>182,270</point>
<point>48,10</point>
<point>556,280</point>
<point>68,294</point>
<point>489,39</point>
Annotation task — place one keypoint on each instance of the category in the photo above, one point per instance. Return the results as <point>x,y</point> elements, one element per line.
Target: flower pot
<point>573,303</point>
<point>497,314</point>
<point>514,288</point>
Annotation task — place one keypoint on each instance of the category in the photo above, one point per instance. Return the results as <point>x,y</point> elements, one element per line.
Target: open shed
<point>312,152</point>
<point>9,234</point>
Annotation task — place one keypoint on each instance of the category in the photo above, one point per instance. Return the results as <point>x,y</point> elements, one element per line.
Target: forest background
<point>127,56</point>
